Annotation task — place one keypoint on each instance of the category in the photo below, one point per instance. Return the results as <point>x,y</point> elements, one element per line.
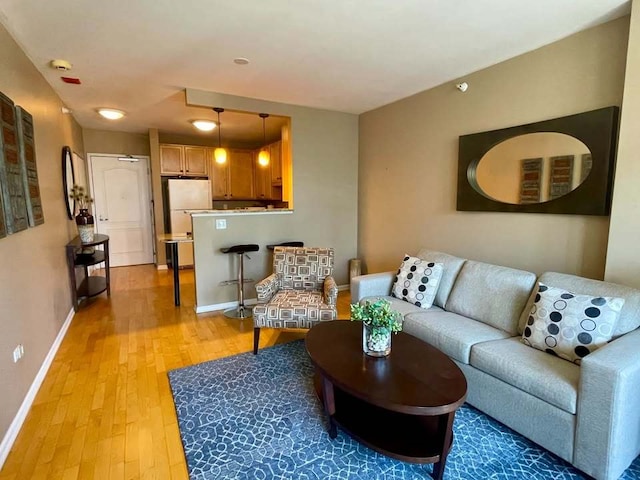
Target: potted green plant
<point>379,321</point>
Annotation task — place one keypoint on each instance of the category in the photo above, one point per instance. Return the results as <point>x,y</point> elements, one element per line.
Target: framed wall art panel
<point>29,167</point>
<point>11,183</point>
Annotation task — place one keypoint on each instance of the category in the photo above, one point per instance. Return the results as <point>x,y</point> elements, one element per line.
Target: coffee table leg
<point>329,406</point>
<point>445,431</point>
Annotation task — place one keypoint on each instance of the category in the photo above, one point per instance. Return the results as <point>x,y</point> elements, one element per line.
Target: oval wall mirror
<point>562,165</point>
<point>68,180</point>
<point>533,168</point>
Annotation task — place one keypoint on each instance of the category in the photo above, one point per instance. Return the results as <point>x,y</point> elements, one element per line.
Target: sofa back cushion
<point>629,318</point>
<point>491,294</point>
<point>450,269</point>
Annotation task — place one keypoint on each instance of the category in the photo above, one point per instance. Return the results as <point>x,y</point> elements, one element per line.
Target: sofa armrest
<point>330,290</point>
<point>267,288</point>
<point>608,423</point>
<point>371,285</point>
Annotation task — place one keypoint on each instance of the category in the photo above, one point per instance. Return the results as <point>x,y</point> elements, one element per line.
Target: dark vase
<point>84,220</point>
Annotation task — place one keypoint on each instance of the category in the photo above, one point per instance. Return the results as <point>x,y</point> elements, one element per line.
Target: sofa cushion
<point>449,332</point>
<point>549,378</point>
<point>450,269</point>
<point>492,294</point>
<point>399,305</point>
<point>629,318</point>
<point>570,325</point>
<point>293,309</point>
<point>417,281</point>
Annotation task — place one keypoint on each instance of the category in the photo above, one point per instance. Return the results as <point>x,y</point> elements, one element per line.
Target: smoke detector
<point>61,65</point>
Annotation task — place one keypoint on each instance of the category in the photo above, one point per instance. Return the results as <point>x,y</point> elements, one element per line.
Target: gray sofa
<point>587,414</point>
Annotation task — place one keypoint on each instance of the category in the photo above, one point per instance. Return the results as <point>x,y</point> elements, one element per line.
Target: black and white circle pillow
<point>569,325</point>
<point>417,281</point>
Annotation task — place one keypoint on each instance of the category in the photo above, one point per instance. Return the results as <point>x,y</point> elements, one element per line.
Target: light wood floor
<point>105,408</point>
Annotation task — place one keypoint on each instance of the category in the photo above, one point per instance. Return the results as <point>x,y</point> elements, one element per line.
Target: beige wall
<point>107,141</point>
<point>409,157</point>
<point>623,259</point>
<point>34,287</point>
<point>325,177</point>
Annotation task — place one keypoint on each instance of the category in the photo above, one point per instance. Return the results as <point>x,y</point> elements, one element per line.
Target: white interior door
<point>122,207</point>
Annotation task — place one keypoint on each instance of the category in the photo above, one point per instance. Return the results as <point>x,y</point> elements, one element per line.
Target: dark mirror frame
<point>67,166</point>
<point>597,129</point>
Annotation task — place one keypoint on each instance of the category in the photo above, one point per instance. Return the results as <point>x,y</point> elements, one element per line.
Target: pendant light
<point>263,156</point>
<point>220,154</point>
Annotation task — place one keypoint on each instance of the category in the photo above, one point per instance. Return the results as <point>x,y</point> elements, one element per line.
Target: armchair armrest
<point>267,288</point>
<point>371,285</point>
<point>608,422</point>
<point>330,290</point>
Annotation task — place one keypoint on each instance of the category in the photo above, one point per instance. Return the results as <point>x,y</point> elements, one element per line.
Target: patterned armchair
<point>299,293</point>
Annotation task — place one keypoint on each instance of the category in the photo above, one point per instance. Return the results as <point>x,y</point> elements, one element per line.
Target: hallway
<point>105,408</point>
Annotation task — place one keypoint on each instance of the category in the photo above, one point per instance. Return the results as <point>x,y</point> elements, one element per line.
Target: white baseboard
<point>342,288</point>
<point>16,425</point>
<point>162,267</point>
<point>223,306</point>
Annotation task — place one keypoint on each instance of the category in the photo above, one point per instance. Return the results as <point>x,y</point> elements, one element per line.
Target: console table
<point>90,285</point>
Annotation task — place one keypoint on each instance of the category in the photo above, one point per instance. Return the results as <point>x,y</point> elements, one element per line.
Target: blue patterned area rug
<point>258,417</point>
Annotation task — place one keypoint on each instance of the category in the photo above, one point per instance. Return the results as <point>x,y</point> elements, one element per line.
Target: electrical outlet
<point>221,223</point>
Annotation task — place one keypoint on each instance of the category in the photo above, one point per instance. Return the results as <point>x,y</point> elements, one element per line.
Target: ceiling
<point>344,55</point>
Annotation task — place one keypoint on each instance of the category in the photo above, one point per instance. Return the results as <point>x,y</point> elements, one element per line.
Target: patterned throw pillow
<point>568,325</point>
<point>417,281</point>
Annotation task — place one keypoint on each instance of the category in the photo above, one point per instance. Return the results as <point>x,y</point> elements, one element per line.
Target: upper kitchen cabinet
<point>233,180</point>
<point>183,160</point>
<point>241,174</point>
<point>275,150</point>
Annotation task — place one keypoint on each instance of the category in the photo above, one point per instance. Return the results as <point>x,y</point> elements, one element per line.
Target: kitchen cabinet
<point>234,179</point>
<point>263,179</point>
<point>241,174</point>
<point>275,150</point>
<point>185,160</point>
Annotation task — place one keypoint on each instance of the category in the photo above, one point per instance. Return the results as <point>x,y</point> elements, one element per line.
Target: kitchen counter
<point>240,212</point>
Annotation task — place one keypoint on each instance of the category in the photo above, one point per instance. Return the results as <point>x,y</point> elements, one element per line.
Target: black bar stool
<point>285,244</point>
<point>241,311</point>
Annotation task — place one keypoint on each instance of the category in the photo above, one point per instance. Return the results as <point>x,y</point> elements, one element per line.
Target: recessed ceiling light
<point>204,125</point>
<point>111,113</point>
<point>241,61</point>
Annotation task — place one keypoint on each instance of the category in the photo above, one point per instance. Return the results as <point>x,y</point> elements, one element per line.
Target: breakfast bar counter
<point>240,212</point>
<point>215,272</point>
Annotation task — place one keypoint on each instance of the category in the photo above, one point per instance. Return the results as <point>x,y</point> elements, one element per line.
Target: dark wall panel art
<point>20,202</point>
<point>29,167</point>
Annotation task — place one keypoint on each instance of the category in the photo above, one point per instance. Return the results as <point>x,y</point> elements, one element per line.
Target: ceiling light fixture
<point>111,113</point>
<point>220,154</point>
<point>264,156</point>
<point>241,61</point>
<point>204,125</point>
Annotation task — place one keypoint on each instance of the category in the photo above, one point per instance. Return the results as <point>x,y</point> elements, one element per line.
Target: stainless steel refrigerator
<point>186,195</point>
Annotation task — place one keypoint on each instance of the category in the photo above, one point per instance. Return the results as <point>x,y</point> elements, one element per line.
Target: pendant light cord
<point>219,110</point>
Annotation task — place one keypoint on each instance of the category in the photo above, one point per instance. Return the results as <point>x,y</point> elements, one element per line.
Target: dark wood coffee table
<point>402,405</point>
